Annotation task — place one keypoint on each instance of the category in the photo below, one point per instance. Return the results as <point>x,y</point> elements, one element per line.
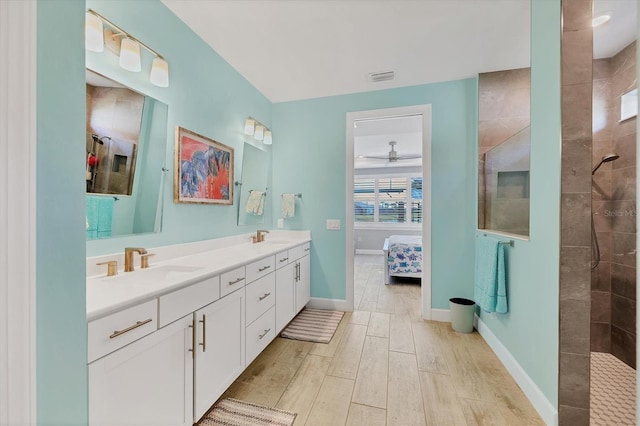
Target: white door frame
<point>17,212</point>
<point>425,111</point>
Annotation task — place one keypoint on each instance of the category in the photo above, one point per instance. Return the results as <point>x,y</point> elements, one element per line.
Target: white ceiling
<point>302,49</point>
<point>371,138</point>
<point>299,49</point>
<point>622,29</point>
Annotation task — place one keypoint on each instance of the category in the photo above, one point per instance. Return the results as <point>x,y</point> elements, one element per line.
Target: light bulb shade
<point>93,33</point>
<point>249,126</point>
<point>159,73</point>
<point>130,55</point>
<point>267,138</point>
<point>259,135</point>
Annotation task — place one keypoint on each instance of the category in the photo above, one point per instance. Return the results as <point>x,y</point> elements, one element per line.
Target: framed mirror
<point>253,185</point>
<point>125,150</point>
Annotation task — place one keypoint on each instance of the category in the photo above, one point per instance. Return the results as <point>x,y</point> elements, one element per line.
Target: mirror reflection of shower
<point>595,248</point>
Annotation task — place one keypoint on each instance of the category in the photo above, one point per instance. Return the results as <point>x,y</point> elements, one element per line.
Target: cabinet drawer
<point>260,334</point>
<point>260,268</point>
<point>231,281</point>
<point>282,259</point>
<point>182,302</point>
<point>261,295</point>
<point>107,334</point>
<point>306,248</point>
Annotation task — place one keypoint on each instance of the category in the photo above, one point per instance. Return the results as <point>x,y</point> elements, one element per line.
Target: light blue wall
<point>309,156</point>
<point>61,328</point>
<point>530,330</point>
<point>205,95</point>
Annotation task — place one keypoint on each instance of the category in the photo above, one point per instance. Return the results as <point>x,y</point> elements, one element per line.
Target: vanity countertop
<point>106,295</point>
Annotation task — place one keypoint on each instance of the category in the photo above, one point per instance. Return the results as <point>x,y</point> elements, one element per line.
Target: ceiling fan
<point>393,155</point>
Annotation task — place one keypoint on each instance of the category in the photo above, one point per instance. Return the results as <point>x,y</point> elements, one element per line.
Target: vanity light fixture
<point>130,55</point>
<point>259,131</point>
<point>259,134</point>
<point>125,45</point>
<point>267,138</point>
<point>249,126</point>
<point>93,33</point>
<point>601,19</point>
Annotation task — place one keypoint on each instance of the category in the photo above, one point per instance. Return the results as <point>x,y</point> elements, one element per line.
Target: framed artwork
<point>203,170</point>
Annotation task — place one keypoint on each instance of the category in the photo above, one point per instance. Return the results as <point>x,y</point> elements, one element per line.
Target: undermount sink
<point>154,273</point>
<point>277,241</point>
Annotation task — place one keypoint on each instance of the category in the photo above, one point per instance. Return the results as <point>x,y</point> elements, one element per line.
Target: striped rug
<point>313,325</point>
<point>232,412</point>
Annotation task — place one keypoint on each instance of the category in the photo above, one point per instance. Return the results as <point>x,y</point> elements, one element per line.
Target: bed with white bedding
<point>403,256</point>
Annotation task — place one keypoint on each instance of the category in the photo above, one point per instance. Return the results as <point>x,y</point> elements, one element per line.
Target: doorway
<point>395,208</point>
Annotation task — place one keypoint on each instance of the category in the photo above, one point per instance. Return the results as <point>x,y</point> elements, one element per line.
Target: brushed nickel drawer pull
<point>307,248</point>
<point>117,333</point>
<point>236,281</point>
<point>264,268</point>
<point>265,333</point>
<point>264,296</point>
<point>193,338</point>
<point>284,259</point>
<point>204,333</point>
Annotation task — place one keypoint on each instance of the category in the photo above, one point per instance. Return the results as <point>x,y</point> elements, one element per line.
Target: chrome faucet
<point>259,237</point>
<point>128,257</point>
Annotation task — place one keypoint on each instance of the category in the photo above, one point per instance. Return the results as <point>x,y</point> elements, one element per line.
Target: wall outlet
<point>333,224</point>
<point>280,223</point>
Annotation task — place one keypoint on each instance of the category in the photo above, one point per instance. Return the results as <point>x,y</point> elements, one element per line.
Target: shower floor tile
<point>613,391</point>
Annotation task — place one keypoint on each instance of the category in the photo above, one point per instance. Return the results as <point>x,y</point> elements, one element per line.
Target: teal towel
<point>105,216</point>
<point>490,287</point>
<point>91,209</point>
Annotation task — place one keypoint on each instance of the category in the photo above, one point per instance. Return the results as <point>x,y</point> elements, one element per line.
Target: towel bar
<point>510,243</point>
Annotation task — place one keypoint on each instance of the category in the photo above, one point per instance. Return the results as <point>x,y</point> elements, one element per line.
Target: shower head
<point>97,139</point>
<point>609,157</point>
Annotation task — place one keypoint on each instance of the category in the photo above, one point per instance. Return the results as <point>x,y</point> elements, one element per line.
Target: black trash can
<point>462,311</point>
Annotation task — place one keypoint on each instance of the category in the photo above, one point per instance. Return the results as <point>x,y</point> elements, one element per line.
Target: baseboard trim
<point>545,409</point>
<point>367,251</point>
<point>328,304</point>
<point>442,315</point>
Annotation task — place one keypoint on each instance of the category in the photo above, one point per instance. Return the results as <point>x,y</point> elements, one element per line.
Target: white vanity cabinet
<point>293,284</point>
<point>147,382</point>
<point>285,296</point>
<point>219,349</point>
<point>168,359</point>
<point>303,280</point>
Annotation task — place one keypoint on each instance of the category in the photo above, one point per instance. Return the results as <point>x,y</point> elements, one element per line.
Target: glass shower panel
<point>504,185</point>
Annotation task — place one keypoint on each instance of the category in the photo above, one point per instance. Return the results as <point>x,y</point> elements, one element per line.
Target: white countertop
<point>106,295</point>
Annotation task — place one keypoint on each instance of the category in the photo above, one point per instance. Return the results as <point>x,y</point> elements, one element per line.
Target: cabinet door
<point>148,382</point>
<point>220,349</point>
<point>303,283</point>
<point>285,296</point>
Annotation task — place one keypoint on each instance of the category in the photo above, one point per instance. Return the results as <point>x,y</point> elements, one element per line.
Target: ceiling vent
<point>377,77</point>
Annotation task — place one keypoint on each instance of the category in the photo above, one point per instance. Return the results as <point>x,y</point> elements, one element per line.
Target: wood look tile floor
<point>386,366</point>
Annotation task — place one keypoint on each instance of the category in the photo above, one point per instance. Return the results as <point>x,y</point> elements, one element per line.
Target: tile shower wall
<point>575,216</point>
<point>613,289</point>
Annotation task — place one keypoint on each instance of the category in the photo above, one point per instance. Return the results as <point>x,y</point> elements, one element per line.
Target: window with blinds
<point>389,199</point>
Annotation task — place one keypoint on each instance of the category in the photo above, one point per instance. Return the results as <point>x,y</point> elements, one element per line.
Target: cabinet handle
<point>307,249</point>
<point>265,333</point>
<point>193,338</point>
<point>236,281</point>
<point>264,296</point>
<point>117,333</point>
<point>284,259</point>
<point>264,268</point>
<point>204,333</point>
<point>297,271</point>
